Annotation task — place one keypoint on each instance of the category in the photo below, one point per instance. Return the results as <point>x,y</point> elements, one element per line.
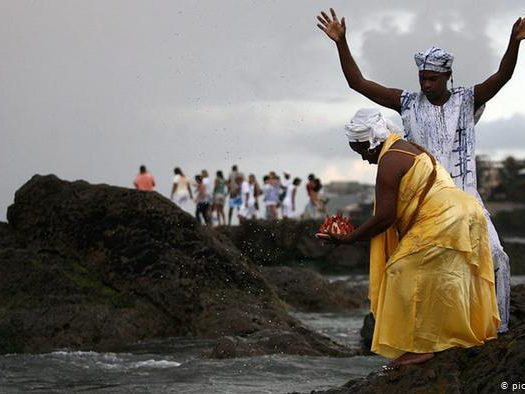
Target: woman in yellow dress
<point>431,271</point>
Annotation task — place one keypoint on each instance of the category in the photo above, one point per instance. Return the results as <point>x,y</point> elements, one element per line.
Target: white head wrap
<point>434,59</point>
<point>369,125</point>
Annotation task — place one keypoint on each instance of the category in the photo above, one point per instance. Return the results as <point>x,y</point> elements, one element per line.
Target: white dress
<point>447,132</point>
<point>288,211</point>
<point>182,195</point>
<point>248,209</point>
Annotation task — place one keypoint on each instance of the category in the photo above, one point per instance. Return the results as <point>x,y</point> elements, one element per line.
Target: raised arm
<point>387,97</point>
<point>492,85</point>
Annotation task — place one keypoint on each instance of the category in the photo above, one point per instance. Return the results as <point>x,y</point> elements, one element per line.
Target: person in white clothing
<point>181,190</point>
<point>289,205</point>
<point>440,119</point>
<point>249,199</point>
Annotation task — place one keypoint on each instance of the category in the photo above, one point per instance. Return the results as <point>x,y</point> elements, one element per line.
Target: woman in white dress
<point>181,191</point>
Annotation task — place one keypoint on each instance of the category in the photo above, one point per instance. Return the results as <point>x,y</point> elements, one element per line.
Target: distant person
<point>320,199</point>
<point>219,197</point>
<point>235,180</point>
<point>313,186</point>
<point>270,196</point>
<point>144,180</point>
<point>441,119</point>
<point>249,200</point>
<point>257,190</point>
<point>181,190</point>
<point>283,184</point>
<point>287,179</point>
<point>289,204</point>
<point>202,199</point>
<point>206,180</point>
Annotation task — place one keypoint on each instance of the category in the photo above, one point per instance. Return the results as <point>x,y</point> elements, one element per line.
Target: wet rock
<point>299,342</point>
<point>367,331</point>
<point>517,305</point>
<point>516,253</point>
<point>308,291</point>
<point>99,267</point>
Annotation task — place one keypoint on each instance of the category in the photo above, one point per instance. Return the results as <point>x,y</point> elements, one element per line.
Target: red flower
<point>336,224</point>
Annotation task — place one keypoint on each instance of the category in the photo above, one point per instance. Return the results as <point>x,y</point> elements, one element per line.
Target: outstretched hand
<point>518,29</point>
<point>334,238</point>
<point>331,26</point>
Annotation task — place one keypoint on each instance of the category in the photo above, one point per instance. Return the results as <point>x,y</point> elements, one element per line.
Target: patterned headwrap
<point>434,59</point>
<point>369,125</point>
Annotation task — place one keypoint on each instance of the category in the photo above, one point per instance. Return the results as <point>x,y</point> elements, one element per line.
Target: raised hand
<point>331,26</point>
<point>518,29</point>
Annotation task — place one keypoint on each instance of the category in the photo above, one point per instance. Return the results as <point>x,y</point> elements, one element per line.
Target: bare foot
<point>410,358</point>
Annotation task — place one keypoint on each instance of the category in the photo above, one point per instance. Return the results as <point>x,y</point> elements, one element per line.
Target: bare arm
<point>174,189</point>
<point>484,91</point>
<point>391,169</point>
<point>387,97</point>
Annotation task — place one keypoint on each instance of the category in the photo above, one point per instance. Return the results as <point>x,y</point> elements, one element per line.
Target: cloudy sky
<point>92,89</point>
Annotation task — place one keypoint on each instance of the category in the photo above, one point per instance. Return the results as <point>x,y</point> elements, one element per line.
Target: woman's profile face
<point>362,148</point>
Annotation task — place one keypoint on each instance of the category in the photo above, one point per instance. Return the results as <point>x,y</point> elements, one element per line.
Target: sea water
<point>176,365</point>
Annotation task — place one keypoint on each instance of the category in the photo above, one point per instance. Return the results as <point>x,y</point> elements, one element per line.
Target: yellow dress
<point>434,288</point>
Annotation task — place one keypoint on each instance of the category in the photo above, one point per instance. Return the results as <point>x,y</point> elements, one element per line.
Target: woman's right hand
<point>331,26</point>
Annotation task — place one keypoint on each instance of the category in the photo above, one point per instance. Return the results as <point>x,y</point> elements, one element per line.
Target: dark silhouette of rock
<point>307,291</point>
<point>299,341</point>
<point>517,305</point>
<point>367,331</point>
<point>286,242</point>
<point>99,267</point>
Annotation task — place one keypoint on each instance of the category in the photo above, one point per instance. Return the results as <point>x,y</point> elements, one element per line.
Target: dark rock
<point>367,331</point>
<point>517,305</point>
<point>287,242</point>
<point>308,291</point>
<point>516,253</point>
<point>99,267</point>
<point>300,342</point>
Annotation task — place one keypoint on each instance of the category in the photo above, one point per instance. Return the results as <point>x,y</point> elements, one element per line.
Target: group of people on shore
<point>245,195</point>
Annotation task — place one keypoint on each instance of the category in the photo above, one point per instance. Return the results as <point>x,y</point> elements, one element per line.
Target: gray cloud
<point>504,135</point>
<point>93,89</point>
